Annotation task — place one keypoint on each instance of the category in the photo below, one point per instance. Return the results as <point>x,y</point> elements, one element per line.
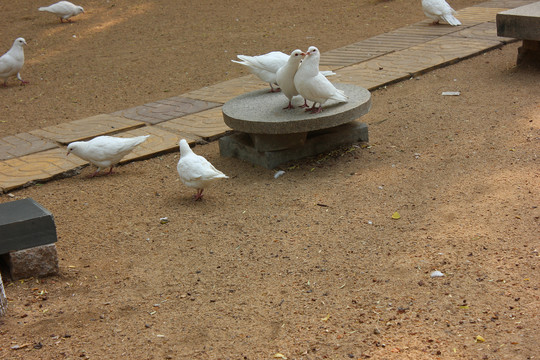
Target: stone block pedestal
<point>38,261</point>
<point>241,145</point>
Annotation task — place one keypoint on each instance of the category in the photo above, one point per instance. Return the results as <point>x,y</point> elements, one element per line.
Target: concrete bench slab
<point>523,23</point>
<point>25,224</point>
<point>27,237</point>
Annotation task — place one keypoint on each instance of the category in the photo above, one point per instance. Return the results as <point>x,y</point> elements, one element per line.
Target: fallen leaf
<point>279,356</point>
<point>326,318</point>
<point>479,339</point>
<point>396,216</point>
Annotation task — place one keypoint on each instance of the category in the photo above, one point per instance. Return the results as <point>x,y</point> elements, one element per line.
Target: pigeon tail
<point>451,19</point>
<point>140,139</point>
<point>340,96</point>
<point>328,73</point>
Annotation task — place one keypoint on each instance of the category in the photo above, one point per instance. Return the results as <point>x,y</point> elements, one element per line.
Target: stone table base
<point>523,23</point>
<point>241,146</point>
<point>529,53</point>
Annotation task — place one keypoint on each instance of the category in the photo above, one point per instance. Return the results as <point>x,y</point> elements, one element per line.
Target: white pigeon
<point>264,66</point>
<point>195,171</point>
<point>313,85</point>
<point>285,76</point>
<point>64,9</point>
<point>439,10</point>
<point>104,151</point>
<point>12,62</point>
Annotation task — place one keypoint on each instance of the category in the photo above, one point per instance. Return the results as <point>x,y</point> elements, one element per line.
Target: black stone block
<point>25,224</point>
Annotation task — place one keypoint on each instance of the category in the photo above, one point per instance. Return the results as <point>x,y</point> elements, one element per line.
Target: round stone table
<point>266,128</point>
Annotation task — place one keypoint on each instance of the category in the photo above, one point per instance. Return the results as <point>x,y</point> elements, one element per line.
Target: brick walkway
<point>384,59</point>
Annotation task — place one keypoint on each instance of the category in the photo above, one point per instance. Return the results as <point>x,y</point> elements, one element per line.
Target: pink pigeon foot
<point>198,195</point>
<point>93,174</point>
<point>313,108</point>
<point>272,90</point>
<point>289,106</point>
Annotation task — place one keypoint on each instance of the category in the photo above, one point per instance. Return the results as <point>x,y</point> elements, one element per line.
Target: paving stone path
<point>40,155</point>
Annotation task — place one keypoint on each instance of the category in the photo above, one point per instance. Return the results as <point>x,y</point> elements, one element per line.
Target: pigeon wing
<point>106,151</point>
<point>195,171</point>
<point>7,65</point>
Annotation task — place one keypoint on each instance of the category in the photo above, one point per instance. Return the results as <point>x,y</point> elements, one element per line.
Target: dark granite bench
<point>27,237</point>
<point>522,23</point>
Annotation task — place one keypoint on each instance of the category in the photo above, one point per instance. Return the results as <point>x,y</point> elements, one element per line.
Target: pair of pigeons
<point>12,62</point>
<point>295,74</point>
<point>106,151</point>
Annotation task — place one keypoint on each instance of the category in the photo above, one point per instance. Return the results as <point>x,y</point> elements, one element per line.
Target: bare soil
<point>310,265</point>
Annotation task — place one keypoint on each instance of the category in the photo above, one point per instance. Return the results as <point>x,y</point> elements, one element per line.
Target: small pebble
<point>436,273</point>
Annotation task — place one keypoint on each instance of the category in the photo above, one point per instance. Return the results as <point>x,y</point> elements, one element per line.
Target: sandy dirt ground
<point>310,265</point>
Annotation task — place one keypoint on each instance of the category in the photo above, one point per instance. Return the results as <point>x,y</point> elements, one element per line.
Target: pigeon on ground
<point>104,151</point>
<point>12,62</point>
<point>264,66</point>
<point>64,9</point>
<point>313,85</point>
<point>195,171</point>
<point>285,76</point>
<point>439,10</point>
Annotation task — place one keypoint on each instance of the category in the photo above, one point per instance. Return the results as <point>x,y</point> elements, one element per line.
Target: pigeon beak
<point>303,54</point>
<point>69,152</point>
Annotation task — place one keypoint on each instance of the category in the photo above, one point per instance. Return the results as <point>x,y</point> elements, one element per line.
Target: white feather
<point>264,66</point>
<point>439,10</point>
<point>195,171</point>
<point>313,85</point>
<point>63,9</point>
<point>285,75</point>
<point>105,151</point>
<point>12,61</point>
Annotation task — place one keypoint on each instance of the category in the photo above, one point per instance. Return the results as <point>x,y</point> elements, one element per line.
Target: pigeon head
<point>79,9</point>
<point>184,148</point>
<point>74,147</point>
<point>296,57</point>
<point>297,53</point>
<point>312,51</point>
<point>20,42</point>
